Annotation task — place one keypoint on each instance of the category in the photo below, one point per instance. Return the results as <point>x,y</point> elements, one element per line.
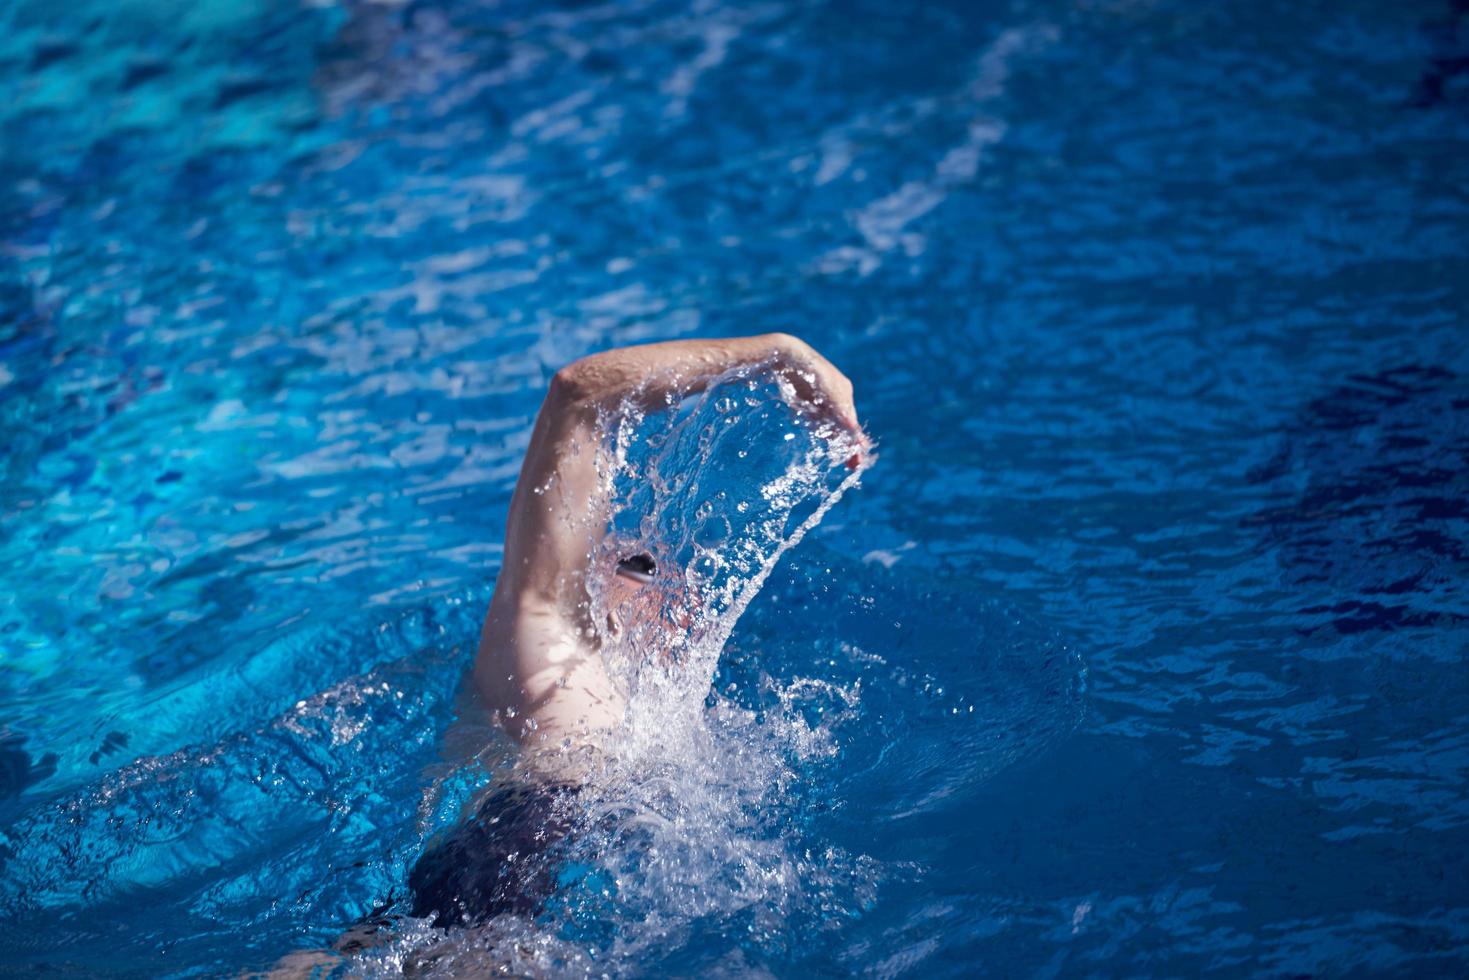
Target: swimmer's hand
<point>821,391</point>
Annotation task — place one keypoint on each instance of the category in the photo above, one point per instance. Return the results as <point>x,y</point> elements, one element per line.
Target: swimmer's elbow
<point>596,377</point>
<point>570,385</point>
<point>589,381</point>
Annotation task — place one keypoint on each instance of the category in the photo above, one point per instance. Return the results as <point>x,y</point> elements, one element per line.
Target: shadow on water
<point>1373,483</point>
<point>19,770</point>
<point>1448,69</point>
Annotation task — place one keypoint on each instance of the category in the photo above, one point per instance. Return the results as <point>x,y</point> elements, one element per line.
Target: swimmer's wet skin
<point>538,667</point>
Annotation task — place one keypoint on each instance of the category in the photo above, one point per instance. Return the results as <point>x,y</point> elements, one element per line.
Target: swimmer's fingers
<point>863,455</point>
<point>850,436</point>
<point>837,417</point>
<point>819,389</point>
<point>822,404</point>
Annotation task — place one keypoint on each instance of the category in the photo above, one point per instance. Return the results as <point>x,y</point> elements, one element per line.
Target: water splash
<point>717,489</point>
<point>692,818</point>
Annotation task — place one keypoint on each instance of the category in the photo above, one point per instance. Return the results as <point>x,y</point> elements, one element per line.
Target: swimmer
<point>538,668</point>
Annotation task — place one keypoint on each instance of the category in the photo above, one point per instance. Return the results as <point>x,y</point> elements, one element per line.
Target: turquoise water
<point>1139,651</point>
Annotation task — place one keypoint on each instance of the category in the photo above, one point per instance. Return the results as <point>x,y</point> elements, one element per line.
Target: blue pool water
<point>1140,650</point>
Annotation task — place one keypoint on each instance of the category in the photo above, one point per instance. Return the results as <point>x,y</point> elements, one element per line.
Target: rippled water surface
<point>1139,651</point>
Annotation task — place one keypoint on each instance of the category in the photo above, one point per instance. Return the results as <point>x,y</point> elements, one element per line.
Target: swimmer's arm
<point>557,513</point>
<point>535,655</point>
<point>652,373</point>
<point>536,666</point>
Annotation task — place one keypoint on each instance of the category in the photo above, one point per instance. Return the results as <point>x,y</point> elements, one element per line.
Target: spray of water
<point>716,489</point>
<point>688,821</point>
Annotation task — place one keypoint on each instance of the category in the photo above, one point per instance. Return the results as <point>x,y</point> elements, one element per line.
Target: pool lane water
<point>1140,651</point>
